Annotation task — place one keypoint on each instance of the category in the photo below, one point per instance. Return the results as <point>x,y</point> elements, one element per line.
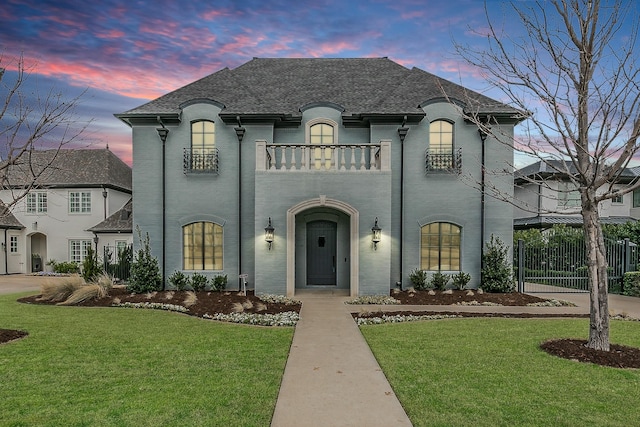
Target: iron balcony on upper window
<point>200,161</point>
<point>438,160</point>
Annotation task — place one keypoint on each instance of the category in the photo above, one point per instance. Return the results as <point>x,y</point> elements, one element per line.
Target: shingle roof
<point>69,168</point>
<point>7,220</point>
<point>548,168</point>
<point>285,85</point>
<point>548,221</point>
<point>119,222</point>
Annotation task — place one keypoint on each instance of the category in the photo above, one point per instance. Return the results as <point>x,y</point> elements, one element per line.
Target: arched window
<point>203,145</point>
<point>440,247</point>
<point>321,134</point>
<point>202,246</point>
<point>441,145</point>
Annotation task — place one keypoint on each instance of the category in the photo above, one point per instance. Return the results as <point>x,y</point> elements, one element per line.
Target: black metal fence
<point>117,261</point>
<point>560,265</point>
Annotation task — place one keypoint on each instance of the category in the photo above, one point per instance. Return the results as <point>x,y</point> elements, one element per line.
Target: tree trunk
<point>598,277</point>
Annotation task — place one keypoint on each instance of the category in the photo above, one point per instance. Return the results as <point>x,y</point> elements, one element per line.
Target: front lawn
<point>490,372</point>
<point>116,366</point>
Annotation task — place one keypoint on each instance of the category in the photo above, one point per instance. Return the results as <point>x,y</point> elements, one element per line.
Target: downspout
<point>6,257</point>
<point>483,137</point>
<point>163,132</point>
<point>402,133</point>
<point>240,134</point>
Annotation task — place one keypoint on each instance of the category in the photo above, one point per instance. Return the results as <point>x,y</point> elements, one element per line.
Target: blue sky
<point>125,53</point>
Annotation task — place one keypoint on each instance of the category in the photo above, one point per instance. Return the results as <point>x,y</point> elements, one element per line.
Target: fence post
<point>520,265</point>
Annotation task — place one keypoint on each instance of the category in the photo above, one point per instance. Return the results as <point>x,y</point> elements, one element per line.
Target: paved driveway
<point>14,283</point>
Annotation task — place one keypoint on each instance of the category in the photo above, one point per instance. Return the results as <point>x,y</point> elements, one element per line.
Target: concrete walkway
<point>331,377</point>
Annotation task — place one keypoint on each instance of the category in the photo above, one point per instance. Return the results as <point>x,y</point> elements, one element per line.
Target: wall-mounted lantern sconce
<point>268,233</point>
<point>376,231</point>
<point>163,132</point>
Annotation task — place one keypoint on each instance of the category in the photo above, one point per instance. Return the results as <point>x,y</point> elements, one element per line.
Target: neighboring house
<point>69,193</point>
<point>551,198</point>
<point>318,173</point>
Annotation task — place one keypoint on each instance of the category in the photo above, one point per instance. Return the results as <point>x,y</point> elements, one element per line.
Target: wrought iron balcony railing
<point>438,160</point>
<point>200,161</point>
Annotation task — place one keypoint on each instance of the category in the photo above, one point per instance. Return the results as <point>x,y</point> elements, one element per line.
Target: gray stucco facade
<point>267,168</point>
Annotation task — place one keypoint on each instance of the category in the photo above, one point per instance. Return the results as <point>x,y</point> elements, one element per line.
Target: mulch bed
<point>207,302</point>
<point>223,302</point>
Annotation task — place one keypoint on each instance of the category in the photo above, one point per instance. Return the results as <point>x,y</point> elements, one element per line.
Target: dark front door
<point>321,253</point>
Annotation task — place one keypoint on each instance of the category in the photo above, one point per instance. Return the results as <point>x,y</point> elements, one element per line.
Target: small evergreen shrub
<point>461,279</point>
<point>418,279</point>
<point>179,280</point>
<point>496,273</point>
<point>145,272</point>
<point>631,282</point>
<point>439,281</point>
<point>219,283</point>
<point>198,282</point>
<point>90,266</point>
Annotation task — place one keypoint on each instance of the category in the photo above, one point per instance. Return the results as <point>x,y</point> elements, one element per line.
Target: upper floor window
<point>440,247</point>
<point>80,202</point>
<point>202,246</point>
<point>203,155</point>
<point>568,195</point>
<point>440,155</point>
<point>321,134</point>
<point>618,200</point>
<point>37,202</point>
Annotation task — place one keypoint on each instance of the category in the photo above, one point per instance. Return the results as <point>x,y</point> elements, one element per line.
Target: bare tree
<point>577,75</point>
<point>30,122</point>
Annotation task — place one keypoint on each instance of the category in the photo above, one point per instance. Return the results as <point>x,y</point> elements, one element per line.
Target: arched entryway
<point>322,245</point>
<point>37,252</point>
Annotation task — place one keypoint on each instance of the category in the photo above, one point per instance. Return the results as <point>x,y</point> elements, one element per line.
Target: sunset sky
<point>125,53</point>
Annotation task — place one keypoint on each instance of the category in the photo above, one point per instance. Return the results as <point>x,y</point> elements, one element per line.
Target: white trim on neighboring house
<point>354,221</point>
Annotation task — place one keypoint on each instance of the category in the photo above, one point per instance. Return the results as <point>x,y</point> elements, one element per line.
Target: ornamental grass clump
<point>60,290</point>
<point>85,293</point>
<point>190,299</point>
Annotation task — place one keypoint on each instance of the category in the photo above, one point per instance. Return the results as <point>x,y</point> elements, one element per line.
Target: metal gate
<point>554,265</point>
<point>117,261</point>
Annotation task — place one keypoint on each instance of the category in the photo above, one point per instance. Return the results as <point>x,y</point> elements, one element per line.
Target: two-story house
<point>68,192</point>
<point>318,174</point>
<point>544,196</point>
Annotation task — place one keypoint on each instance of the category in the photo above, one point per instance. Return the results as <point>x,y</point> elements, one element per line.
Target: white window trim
<point>320,120</point>
<point>80,206</point>
<point>39,207</point>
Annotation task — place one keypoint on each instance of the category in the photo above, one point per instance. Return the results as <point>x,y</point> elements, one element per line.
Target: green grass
<point>490,372</point>
<point>125,367</point>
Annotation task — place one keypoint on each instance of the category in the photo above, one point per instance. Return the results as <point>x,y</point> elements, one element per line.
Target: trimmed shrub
<point>631,282</point>
<point>198,282</point>
<point>219,283</point>
<point>145,272</point>
<point>496,273</point>
<point>418,279</point>
<point>179,280</point>
<point>461,279</point>
<point>64,267</point>
<point>439,281</point>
